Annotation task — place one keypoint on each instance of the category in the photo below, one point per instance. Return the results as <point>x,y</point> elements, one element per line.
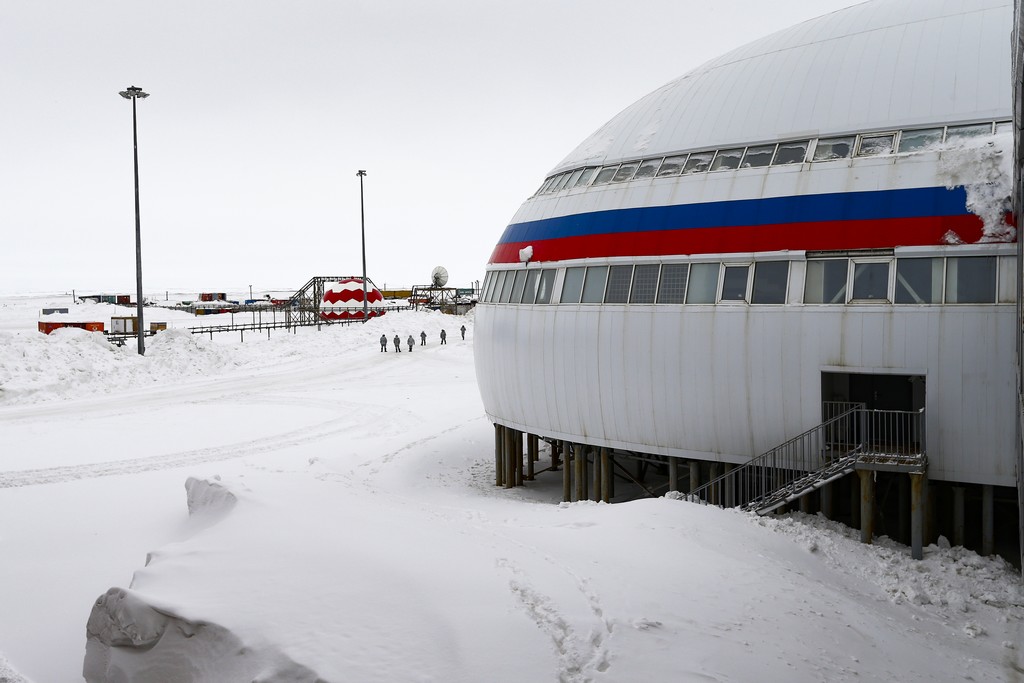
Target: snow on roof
<point>874,66</point>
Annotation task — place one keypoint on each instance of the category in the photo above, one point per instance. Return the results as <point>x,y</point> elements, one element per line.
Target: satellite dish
<point>439,276</point>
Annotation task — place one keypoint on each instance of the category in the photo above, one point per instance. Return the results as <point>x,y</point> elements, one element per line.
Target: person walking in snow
<point>411,342</point>
<point>444,335</point>
<point>398,344</point>
<point>423,338</point>
<point>383,343</point>
<point>463,331</point>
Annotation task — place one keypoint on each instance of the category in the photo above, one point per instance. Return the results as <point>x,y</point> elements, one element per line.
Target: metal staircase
<point>853,438</point>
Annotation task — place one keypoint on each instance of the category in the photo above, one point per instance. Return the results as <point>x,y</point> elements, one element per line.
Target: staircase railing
<point>853,435</point>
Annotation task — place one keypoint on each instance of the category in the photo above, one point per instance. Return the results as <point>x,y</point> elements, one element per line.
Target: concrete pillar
<point>917,488</point>
<point>988,537</point>
<point>556,455</point>
<point>826,501</point>
<point>606,476</point>
<point>867,505</point>
<point>598,477</point>
<point>566,450</point>
<point>673,474</point>
<point>694,475</point>
<point>805,503</point>
<point>958,515</point>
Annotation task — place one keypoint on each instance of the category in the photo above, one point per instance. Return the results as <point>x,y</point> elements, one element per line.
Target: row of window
<point>951,280</point>
<point>781,154</point>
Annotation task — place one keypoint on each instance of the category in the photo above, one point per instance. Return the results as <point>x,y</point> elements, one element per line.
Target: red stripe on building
<point>817,236</point>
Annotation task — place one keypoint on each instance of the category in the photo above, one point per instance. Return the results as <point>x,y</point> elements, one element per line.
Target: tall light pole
<point>362,233</point>
<point>133,93</point>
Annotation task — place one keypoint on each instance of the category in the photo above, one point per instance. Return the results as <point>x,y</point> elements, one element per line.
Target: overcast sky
<point>262,111</point>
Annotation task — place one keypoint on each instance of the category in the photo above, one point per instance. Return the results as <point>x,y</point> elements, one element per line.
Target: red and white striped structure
<point>343,300</point>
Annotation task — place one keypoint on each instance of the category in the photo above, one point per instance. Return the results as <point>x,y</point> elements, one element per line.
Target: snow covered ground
<point>307,508</point>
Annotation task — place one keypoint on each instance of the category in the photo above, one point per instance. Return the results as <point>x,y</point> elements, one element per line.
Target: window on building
<point>561,183</point>
<point>825,282</point>
<point>870,281</point>
<point>485,295</point>
<point>585,177</point>
<point>618,284</point>
<point>791,153</point>
<point>506,287</point>
<point>971,280</point>
<point>647,169</point>
<point>828,149</point>
<point>874,145</point>
<point>499,278</point>
<point>547,184</point>
<point>573,179</point>
<point>544,285</point>
<point>645,284</point>
<point>916,140</point>
<point>593,286</point>
<point>530,290</point>
<point>759,156</point>
<point>770,281</point>
<point>957,133</point>
<point>734,283</point>
<point>517,287</point>
<point>572,285</point>
<point>727,159</point>
<point>918,281</point>
<point>625,172</point>
<point>672,287</point>
<point>672,166</point>
<point>698,162</point>
<point>703,283</point>
<point>605,175</point>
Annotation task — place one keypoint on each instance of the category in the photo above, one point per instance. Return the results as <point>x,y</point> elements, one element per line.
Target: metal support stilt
<point>556,455</point>
<point>580,462</point>
<point>518,446</point>
<point>694,475</point>
<point>958,515</point>
<point>716,494</point>
<point>606,476</point>
<point>826,501</point>
<point>499,465</point>
<point>867,505</point>
<point>673,474</point>
<point>917,485</point>
<point>988,544</point>
<point>566,472</point>
<point>510,465</point>
<point>531,455</point>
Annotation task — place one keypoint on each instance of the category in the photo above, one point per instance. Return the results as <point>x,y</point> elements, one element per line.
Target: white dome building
<point>815,224</point>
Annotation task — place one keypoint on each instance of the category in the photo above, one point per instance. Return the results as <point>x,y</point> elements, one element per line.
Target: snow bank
<point>71,363</point>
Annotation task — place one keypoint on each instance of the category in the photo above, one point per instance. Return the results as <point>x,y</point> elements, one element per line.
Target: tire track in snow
<point>296,437</point>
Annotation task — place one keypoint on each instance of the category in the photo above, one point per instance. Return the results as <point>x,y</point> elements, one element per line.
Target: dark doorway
<point>875,391</point>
